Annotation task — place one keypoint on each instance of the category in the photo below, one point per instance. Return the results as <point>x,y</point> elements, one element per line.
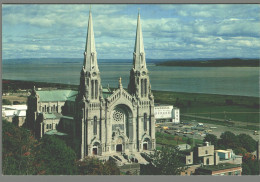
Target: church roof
<point>55,132</point>
<point>52,115</point>
<point>56,95</point>
<point>63,95</point>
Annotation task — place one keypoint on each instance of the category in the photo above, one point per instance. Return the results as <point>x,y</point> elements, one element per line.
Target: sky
<point>170,31</point>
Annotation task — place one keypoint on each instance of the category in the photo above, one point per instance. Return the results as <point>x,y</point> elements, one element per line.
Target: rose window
<point>118,116</point>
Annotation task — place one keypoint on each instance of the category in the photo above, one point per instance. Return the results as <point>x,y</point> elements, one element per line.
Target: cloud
<point>169,30</point>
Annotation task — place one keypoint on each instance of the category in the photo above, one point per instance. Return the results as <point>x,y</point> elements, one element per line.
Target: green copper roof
<point>55,132</point>
<point>56,95</point>
<point>67,117</point>
<point>51,115</point>
<point>63,95</point>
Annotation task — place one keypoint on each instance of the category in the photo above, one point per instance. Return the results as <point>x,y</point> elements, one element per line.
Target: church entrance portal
<point>119,148</point>
<point>145,146</point>
<point>94,152</point>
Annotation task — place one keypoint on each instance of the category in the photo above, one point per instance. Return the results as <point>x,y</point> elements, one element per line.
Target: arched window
<point>142,87</point>
<point>96,89</point>
<point>92,89</point>
<point>207,161</point>
<point>206,152</point>
<point>95,125</point>
<point>47,126</point>
<point>145,87</point>
<point>145,121</point>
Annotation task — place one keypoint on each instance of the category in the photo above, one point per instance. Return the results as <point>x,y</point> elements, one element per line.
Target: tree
<point>212,139</point>
<point>240,151</point>
<point>228,140</point>
<point>55,156</point>
<point>18,151</point>
<point>166,162</point>
<point>93,166</point>
<point>250,165</point>
<point>6,102</point>
<point>247,142</point>
<point>189,141</point>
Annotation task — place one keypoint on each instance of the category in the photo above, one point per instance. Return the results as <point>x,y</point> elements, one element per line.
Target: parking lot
<point>191,129</point>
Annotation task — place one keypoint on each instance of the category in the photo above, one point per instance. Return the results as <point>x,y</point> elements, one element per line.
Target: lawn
<point>237,108</point>
<point>167,139</point>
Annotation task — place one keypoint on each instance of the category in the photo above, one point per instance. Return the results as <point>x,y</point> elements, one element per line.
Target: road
<point>215,119</point>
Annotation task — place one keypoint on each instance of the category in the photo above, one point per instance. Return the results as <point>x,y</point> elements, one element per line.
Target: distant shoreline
<point>24,84</point>
<point>234,62</point>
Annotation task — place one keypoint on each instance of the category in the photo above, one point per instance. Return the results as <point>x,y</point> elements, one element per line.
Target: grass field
<point>237,108</point>
<point>167,139</point>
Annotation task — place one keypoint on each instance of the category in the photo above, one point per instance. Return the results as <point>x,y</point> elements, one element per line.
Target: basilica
<point>100,121</point>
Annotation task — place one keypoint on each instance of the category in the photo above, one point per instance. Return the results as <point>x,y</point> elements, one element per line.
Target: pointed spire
<point>139,54</point>
<point>90,61</point>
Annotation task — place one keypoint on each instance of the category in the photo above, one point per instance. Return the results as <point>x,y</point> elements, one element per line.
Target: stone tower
<point>139,86</point>
<point>90,100</point>
<point>90,81</point>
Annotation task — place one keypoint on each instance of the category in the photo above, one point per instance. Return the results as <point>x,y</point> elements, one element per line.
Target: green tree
<point>6,102</point>
<point>250,165</point>
<point>166,161</point>
<point>189,141</point>
<point>240,151</point>
<point>93,166</point>
<point>247,142</point>
<point>228,140</point>
<point>55,156</point>
<point>18,152</point>
<point>212,139</point>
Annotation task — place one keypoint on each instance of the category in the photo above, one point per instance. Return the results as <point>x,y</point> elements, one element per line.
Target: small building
<point>14,113</point>
<point>204,154</point>
<point>209,160</point>
<point>183,147</point>
<point>224,154</point>
<point>166,113</point>
<point>187,157</point>
<point>228,156</point>
<point>224,169</point>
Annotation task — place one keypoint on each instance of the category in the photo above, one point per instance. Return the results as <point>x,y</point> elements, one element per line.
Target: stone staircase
<point>140,159</point>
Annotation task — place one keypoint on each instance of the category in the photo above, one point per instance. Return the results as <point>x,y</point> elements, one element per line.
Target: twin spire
<point>90,61</point>
<point>90,54</point>
<point>139,54</point>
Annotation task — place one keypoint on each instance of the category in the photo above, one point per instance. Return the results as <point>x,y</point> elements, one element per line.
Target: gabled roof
<point>63,95</point>
<point>56,95</point>
<point>52,115</point>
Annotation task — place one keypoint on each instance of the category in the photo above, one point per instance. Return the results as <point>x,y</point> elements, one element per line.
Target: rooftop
<point>14,107</point>
<point>63,95</point>
<point>219,167</point>
<point>56,95</point>
<point>52,115</point>
<point>55,132</point>
<point>223,151</point>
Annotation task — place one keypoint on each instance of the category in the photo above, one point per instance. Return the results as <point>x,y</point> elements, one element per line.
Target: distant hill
<point>234,62</point>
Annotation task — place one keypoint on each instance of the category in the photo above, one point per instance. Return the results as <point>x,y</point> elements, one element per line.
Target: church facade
<point>104,122</point>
